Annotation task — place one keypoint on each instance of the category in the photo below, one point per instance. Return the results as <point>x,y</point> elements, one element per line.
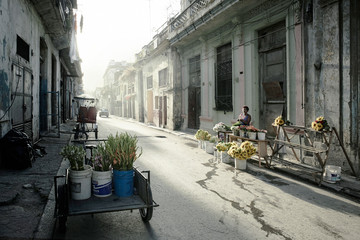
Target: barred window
<point>223,83</point>
<point>163,77</point>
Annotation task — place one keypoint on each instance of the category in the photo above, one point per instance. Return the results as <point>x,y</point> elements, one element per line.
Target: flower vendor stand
<point>320,151</point>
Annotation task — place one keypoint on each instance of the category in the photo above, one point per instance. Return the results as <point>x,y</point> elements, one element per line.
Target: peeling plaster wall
<point>328,72</point>
<point>18,17</point>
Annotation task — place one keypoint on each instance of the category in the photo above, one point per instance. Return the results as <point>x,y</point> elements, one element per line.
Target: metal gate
<point>21,93</point>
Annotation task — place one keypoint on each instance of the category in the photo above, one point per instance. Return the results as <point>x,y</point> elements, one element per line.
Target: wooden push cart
<point>142,200</point>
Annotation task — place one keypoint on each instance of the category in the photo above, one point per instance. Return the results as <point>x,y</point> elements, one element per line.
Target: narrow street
<point>203,199</point>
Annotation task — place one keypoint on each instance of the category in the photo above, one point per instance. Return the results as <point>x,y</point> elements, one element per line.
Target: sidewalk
<point>25,193</point>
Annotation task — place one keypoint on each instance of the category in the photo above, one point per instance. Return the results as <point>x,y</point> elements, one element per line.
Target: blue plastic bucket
<point>101,183</point>
<point>124,183</point>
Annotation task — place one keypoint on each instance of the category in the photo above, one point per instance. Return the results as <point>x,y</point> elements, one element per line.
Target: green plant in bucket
<point>122,149</point>
<point>75,155</point>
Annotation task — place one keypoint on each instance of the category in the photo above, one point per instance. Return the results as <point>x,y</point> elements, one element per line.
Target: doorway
<point>194,93</point>
<point>272,67</point>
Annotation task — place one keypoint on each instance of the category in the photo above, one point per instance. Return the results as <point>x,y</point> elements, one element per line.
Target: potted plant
<point>123,152</point>
<point>241,153</point>
<point>252,131</point>
<point>222,149</point>
<point>79,173</point>
<point>102,175</point>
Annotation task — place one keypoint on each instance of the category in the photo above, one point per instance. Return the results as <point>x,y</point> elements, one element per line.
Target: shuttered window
<point>223,86</point>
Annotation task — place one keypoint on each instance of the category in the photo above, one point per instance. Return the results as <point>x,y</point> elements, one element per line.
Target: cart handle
<point>148,174</point>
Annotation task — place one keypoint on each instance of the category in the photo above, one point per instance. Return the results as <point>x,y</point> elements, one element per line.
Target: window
<point>131,88</point>
<point>22,48</point>
<point>156,102</point>
<point>194,71</point>
<point>163,77</point>
<point>149,82</point>
<point>223,83</point>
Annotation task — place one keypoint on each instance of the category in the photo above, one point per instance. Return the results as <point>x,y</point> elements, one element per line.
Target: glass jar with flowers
<point>123,152</point>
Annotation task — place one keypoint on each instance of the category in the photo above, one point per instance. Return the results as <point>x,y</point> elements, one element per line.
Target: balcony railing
<point>188,13</point>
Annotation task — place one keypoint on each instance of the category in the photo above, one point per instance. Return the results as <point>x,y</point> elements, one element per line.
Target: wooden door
<point>165,110</point>
<point>150,107</point>
<point>194,107</point>
<point>194,93</point>
<point>160,111</point>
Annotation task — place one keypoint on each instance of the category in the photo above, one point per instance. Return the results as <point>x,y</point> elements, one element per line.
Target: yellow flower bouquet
<point>242,152</point>
<point>279,121</point>
<point>222,146</point>
<point>320,124</point>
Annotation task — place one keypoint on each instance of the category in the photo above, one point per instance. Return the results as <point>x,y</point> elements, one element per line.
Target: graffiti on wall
<point>4,90</point>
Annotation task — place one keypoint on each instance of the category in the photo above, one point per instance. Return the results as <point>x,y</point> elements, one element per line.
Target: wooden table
<point>261,147</point>
<point>225,134</point>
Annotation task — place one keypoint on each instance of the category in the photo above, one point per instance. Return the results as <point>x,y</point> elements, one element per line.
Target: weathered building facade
<point>298,59</point>
<point>158,84</point>
<point>39,67</point>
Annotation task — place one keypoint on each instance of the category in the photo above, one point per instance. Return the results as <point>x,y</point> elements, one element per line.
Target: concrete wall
<point>18,17</point>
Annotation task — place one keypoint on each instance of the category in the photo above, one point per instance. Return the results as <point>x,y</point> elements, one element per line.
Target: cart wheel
<point>62,208</point>
<point>146,213</point>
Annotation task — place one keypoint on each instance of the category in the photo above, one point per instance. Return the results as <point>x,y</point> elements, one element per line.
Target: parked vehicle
<point>103,112</point>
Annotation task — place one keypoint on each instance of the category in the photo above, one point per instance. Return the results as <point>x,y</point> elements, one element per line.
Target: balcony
<point>57,18</point>
<point>203,16</point>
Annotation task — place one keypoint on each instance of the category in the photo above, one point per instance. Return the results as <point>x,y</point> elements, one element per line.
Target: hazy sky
<point>117,30</point>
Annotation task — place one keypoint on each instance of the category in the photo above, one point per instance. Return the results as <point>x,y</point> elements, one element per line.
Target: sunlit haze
<point>117,30</point>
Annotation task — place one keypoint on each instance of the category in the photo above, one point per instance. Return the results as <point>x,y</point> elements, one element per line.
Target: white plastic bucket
<point>101,183</point>
<point>252,135</point>
<point>80,183</point>
<point>240,164</point>
<point>261,135</point>
<point>210,147</point>
<point>332,173</point>
<point>225,158</point>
